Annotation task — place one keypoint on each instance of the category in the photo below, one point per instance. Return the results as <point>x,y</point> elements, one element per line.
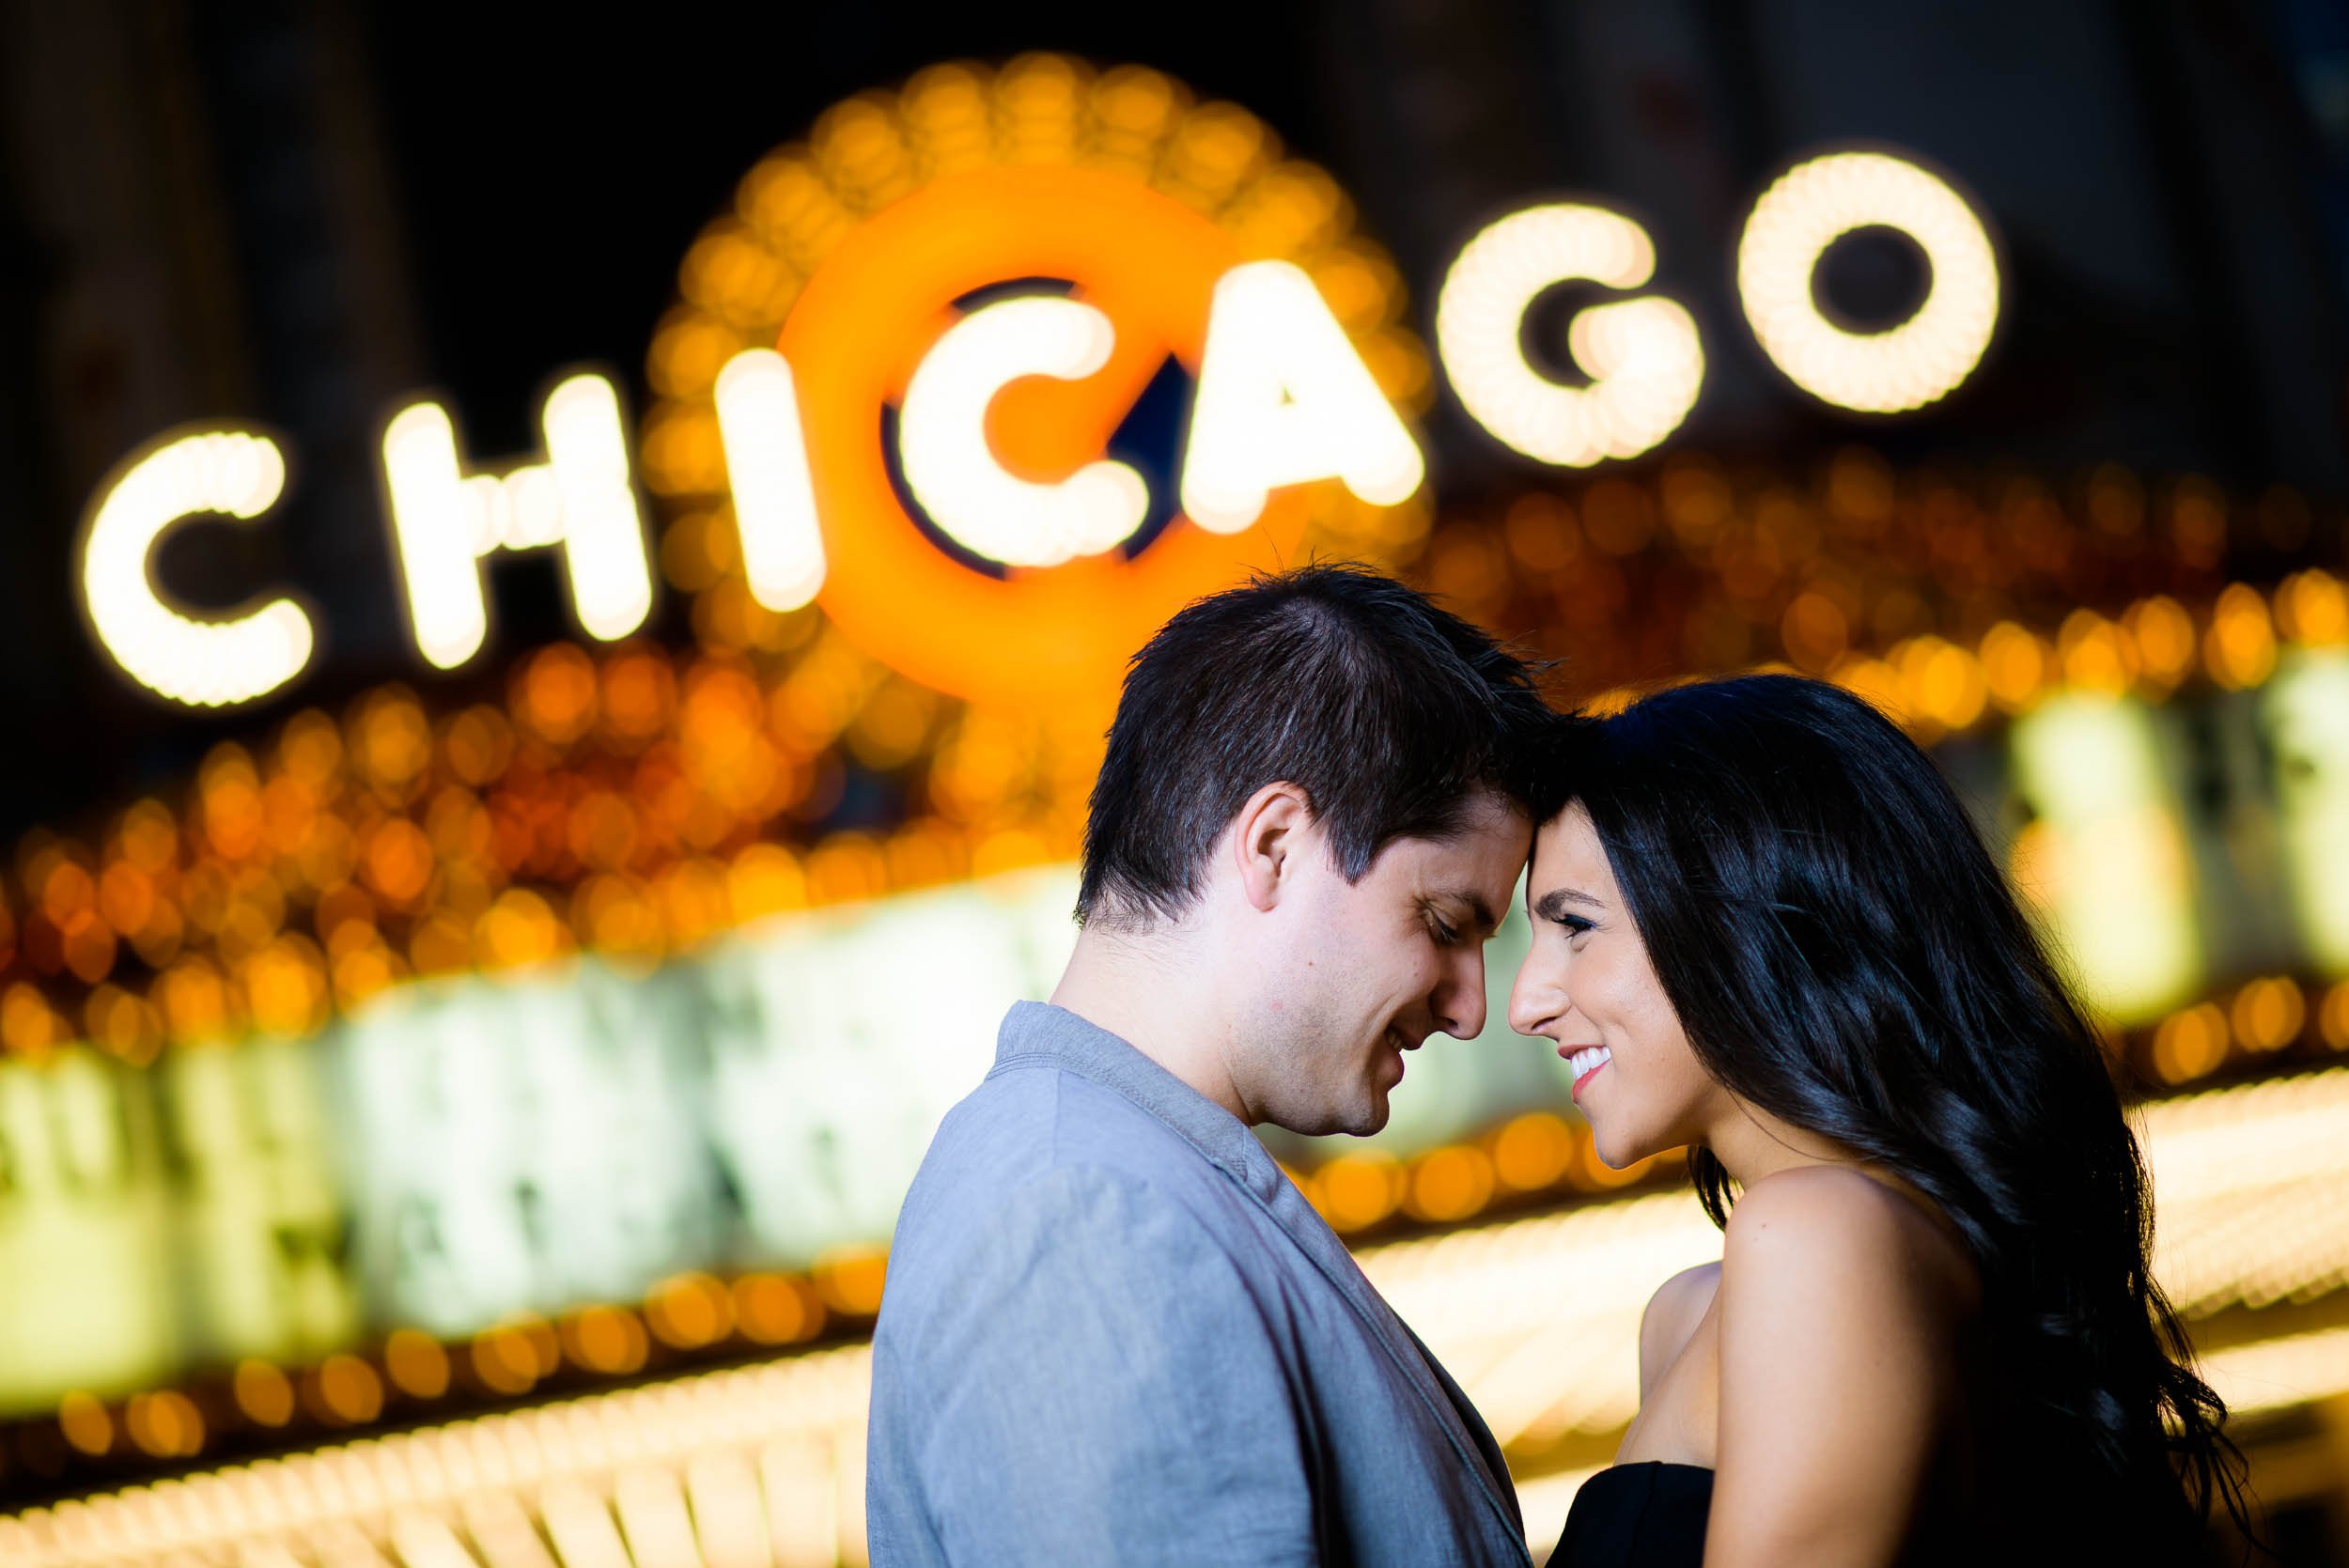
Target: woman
<point>1764,929</point>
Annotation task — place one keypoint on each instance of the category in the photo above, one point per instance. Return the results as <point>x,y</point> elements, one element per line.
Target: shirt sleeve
<point>1108,1389</point>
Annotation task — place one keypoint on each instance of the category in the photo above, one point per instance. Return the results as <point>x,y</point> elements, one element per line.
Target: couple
<point>1764,929</point>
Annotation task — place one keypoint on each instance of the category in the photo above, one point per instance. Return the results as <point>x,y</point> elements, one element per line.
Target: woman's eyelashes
<point>1575,925</point>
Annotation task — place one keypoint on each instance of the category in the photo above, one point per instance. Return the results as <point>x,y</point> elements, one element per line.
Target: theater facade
<point>463,1124</point>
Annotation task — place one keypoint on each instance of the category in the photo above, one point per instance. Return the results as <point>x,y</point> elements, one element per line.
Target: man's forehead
<point>1479,839</point>
<point>1477,865</point>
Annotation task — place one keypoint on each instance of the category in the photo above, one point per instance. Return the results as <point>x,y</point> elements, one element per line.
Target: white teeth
<point>1585,1063</point>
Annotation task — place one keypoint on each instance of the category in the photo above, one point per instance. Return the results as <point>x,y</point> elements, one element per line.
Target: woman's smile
<point>1585,1060</point>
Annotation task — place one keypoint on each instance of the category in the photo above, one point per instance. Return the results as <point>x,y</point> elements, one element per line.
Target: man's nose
<point>1461,1003</point>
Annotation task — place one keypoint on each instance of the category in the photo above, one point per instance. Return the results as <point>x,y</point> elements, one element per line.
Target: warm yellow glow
<point>2273,1375</point>
<point>1807,209</point>
<point>2189,1044</point>
<point>651,1506</point>
<point>2016,663</point>
<point>774,498</point>
<point>580,1525</point>
<point>434,535</point>
<point>581,499</point>
<point>2268,1013</point>
<point>86,1423</point>
<point>757,1465</point>
<point>1538,1318</point>
<point>2107,861</point>
<point>417,1364</point>
<point>1643,357</point>
<point>723,1489</point>
<point>957,477</point>
<point>845,252</point>
<point>2313,606</point>
<point>2240,646</point>
<point>2304,714</point>
<point>201,663</point>
<point>1532,1152</point>
<point>519,509</point>
<point>1450,1183</point>
<point>603,533</point>
<point>2096,655</point>
<point>1283,399</point>
<point>263,1393</point>
<point>2163,635</point>
<point>1873,681</point>
<point>2246,1180</point>
<point>2332,1017</point>
<point>1941,682</point>
<point>1353,1192</point>
<point>425,1542</point>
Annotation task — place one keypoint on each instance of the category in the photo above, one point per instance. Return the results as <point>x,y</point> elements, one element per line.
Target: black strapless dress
<point>1644,1516</point>
<point>1653,1515</point>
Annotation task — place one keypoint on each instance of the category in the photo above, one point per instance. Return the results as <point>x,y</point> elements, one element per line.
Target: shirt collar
<point>1040,1032</point>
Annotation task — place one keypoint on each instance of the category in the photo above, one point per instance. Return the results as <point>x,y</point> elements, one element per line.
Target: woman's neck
<point>1752,1145</point>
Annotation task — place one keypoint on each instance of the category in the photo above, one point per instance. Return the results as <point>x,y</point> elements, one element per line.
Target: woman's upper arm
<point>1835,1368</point>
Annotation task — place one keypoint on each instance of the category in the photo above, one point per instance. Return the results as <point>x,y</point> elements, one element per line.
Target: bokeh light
<point>1925,357</point>
<point>203,661</point>
<point>1642,356</point>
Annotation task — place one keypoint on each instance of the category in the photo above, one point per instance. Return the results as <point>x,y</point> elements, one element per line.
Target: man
<point>1113,1332</point>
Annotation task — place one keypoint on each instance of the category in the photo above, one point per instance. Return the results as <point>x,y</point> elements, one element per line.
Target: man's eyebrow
<point>1553,903</point>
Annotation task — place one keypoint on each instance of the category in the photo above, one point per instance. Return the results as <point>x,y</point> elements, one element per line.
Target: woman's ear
<point>1266,838</point>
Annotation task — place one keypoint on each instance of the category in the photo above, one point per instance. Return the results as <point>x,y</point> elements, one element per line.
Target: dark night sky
<point>551,179</point>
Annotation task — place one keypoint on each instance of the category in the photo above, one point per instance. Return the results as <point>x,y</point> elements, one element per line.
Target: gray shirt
<point>1114,1333</point>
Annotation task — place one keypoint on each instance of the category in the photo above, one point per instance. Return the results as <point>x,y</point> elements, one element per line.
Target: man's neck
<point>1150,990</point>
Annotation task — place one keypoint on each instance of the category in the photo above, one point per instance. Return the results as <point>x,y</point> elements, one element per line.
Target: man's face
<point>1358,974</point>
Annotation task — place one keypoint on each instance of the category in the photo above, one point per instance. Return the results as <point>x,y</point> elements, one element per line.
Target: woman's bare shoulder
<point>1672,1317</point>
<point>1679,1301</point>
<point>1836,1226</point>
<point>1839,1321</point>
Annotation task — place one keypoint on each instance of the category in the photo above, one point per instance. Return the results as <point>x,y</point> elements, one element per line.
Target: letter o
<point>1817,202</point>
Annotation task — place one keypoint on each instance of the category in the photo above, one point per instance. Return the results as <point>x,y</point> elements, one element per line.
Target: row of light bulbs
<point>1533,1158</point>
<point>762,1467</point>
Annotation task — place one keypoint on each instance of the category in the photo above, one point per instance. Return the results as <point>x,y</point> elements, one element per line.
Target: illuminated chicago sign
<point>919,438</point>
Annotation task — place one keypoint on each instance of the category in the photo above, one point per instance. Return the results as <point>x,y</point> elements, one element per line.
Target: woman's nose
<point>1533,1000</point>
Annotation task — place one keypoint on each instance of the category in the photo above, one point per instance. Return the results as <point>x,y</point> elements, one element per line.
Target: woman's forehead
<point>1567,850</point>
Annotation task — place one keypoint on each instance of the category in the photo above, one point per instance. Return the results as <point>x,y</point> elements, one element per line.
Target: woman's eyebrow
<point>1553,903</point>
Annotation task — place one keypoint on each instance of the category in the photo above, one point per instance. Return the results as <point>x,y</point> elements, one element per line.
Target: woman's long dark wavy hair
<point>1844,954</point>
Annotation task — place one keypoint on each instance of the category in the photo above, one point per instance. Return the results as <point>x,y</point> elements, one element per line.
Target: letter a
<point>1283,399</point>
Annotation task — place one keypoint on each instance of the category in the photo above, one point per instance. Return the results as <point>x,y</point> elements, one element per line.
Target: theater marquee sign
<point>1001,370</point>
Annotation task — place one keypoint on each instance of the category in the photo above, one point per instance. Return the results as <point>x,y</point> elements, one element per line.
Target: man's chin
<point>1359,1121</point>
<point>1368,1119</point>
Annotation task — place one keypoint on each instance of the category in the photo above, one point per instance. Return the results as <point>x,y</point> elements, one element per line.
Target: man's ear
<point>1267,837</point>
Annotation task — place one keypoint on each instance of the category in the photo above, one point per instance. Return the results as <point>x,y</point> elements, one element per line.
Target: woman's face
<point>1587,985</point>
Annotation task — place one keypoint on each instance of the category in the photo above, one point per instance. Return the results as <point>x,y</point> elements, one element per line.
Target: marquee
<point>926,438</point>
